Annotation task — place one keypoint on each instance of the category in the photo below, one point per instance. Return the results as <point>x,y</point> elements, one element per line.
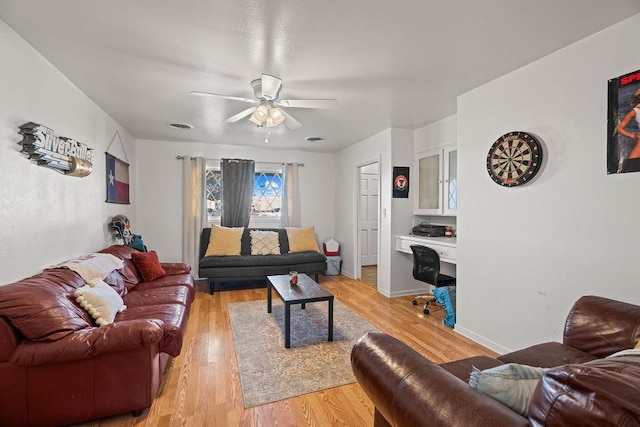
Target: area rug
<point>270,372</point>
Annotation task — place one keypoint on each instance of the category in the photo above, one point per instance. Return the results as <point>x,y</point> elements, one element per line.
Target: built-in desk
<point>445,246</point>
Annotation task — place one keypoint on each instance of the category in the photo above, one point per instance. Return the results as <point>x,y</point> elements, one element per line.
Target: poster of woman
<point>623,142</point>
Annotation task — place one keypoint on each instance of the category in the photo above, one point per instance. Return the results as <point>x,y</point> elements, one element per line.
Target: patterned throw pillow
<point>264,243</point>
<point>302,239</point>
<point>224,241</point>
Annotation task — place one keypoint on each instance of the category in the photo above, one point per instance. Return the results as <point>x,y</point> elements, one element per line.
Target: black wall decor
<point>400,182</point>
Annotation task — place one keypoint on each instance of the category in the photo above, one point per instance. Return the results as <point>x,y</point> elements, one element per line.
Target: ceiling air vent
<point>314,139</point>
<point>181,126</point>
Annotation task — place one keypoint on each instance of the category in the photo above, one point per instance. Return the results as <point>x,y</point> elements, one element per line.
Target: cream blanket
<point>92,266</point>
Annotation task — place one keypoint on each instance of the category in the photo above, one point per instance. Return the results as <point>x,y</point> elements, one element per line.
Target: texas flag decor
<point>117,180</point>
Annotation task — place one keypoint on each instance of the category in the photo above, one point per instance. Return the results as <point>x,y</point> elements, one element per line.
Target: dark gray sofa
<point>256,267</point>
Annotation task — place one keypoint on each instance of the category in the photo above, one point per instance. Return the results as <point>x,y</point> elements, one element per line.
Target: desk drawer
<point>448,253</point>
<point>445,252</point>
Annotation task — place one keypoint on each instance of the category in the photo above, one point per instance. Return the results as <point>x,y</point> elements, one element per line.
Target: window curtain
<point>194,218</point>
<point>237,191</point>
<point>290,211</point>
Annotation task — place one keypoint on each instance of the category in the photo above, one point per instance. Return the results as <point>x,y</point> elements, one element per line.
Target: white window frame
<point>256,221</point>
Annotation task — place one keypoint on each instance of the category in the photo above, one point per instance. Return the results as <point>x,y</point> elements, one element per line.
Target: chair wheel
<point>425,311</point>
<point>414,302</point>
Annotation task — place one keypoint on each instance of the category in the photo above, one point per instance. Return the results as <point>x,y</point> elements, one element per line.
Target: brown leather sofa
<point>57,367</point>
<point>582,388</point>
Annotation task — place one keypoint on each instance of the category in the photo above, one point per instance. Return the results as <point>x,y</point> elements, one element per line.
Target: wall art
<point>117,180</point>
<point>623,125</point>
<point>400,182</point>
<point>59,153</point>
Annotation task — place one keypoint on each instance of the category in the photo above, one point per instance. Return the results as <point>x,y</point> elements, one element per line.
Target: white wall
<point>526,254</point>
<point>48,217</point>
<point>376,148</point>
<point>160,188</point>
<point>387,147</point>
<point>401,264</point>
<point>437,134</point>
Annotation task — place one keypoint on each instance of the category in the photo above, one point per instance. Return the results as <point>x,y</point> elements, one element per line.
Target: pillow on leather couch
<point>100,300</point>
<point>148,265</point>
<point>511,384</point>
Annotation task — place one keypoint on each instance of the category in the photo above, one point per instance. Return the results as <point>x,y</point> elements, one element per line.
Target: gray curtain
<point>237,191</point>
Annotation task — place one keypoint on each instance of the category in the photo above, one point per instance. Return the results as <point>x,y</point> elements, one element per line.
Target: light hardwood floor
<point>202,386</point>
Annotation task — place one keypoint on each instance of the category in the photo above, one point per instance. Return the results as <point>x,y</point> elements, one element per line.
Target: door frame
<point>356,223</point>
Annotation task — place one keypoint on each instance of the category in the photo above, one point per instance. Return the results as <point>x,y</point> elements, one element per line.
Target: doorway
<point>368,222</point>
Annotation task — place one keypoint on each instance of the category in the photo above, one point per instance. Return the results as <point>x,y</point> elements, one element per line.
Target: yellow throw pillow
<point>224,241</point>
<point>302,239</point>
<point>637,345</point>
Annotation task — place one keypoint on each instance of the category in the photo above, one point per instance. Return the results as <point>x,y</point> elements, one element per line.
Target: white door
<point>369,218</point>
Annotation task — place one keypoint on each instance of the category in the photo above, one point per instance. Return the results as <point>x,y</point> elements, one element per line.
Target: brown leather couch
<point>57,367</point>
<point>583,388</point>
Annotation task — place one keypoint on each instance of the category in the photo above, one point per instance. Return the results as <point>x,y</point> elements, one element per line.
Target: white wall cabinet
<point>435,174</point>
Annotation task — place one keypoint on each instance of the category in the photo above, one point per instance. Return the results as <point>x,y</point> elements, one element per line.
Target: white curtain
<point>194,218</point>
<point>290,211</point>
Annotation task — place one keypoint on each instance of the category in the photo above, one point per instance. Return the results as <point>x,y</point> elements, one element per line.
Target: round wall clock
<point>514,159</point>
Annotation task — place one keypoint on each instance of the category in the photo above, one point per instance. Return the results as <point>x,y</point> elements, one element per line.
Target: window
<point>267,192</point>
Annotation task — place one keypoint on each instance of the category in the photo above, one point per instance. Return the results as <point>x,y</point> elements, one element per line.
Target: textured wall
<point>46,217</point>
<point>160,173</point>
<point>526,254</point>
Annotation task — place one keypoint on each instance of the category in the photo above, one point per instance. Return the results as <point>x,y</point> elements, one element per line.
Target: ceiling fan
<point>268,110</point>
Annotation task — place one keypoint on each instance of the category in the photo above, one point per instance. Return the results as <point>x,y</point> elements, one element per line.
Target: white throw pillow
<point>100,300</point>
<point>264,243</point>
<point>511,384</point>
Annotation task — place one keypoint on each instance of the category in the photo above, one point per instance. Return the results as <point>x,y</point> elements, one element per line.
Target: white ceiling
<point>388,63</point>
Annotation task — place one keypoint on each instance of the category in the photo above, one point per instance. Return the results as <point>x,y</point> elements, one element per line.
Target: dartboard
<point>514,159</point>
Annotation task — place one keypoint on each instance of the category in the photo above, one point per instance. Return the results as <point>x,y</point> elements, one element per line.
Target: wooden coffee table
<point>307,290</point>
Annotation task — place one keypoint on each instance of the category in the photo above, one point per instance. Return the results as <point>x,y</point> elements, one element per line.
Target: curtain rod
<point>257,161</point>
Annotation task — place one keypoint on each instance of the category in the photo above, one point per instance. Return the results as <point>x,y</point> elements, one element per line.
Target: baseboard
<point>405,292</point>
<point>492,345</point>
<point>347,274</point>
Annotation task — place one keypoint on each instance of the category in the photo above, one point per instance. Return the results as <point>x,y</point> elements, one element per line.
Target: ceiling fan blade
<point>308,103</point>
<point>216,95</point>
<point>240,115</point>
<point>290,122</point>
<point>270,86</point>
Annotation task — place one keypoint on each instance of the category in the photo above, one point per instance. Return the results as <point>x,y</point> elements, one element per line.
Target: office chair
<point>426,268</point>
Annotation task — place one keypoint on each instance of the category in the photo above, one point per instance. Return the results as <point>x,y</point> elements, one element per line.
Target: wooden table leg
<point>269,296</point>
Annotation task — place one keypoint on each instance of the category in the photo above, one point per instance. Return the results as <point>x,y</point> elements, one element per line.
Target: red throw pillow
<point>148,265</point>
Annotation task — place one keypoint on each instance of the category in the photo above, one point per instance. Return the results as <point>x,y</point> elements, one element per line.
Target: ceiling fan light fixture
<point>261,113</point>
<point>276,116</point>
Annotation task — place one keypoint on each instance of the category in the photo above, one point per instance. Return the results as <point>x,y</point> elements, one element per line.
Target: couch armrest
<point>8,339</point>
<point>602,326</point>
<point>176,268</point>
<point>90,342</point>
<point>603,392</point>
<point>408,389</point>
